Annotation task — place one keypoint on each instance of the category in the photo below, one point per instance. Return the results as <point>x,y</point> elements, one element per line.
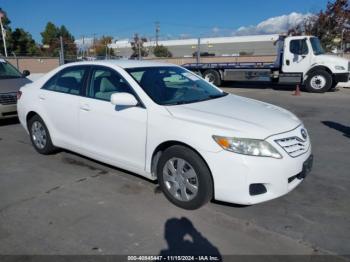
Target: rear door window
<point>70,80</point>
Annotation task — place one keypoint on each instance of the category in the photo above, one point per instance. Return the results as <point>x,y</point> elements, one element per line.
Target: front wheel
<point>184,178</point>
<point>318,81</point>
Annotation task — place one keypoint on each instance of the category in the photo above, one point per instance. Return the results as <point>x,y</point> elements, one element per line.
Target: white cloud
<point>185,36</point>
<point>215,30</point>
<point>273,25</point>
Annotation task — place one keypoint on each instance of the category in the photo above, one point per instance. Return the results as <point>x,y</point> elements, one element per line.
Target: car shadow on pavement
<point>184,239</point>
<point>339,127</point>
<point>217,202</point>
<point>9,121</point>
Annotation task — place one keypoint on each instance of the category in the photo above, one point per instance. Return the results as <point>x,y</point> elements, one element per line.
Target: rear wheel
<point>40,136</point>
<point>213,77</point>
<point>318,81</point>
<point>184,178</point>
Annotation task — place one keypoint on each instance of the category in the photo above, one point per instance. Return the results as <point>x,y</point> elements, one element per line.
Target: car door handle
<point>41,97</point>
<point>287,62</point>
<point>85,107</point>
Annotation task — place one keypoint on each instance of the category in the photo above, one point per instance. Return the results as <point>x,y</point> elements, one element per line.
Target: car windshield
<point>316,46</point>
<point>8,71</point>
<point>173,85</point>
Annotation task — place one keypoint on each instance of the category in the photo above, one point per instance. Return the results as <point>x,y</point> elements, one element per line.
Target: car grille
<point>8,98</point>
<point>294,146</point>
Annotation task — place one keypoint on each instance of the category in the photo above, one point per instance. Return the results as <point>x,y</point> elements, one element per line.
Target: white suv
<point>163,122</point>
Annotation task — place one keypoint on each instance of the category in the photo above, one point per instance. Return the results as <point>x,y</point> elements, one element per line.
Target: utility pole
<point>157,32</point>
<point>139,47</point>
<point>93,43</point>
<point>83,47</point>
<point>342,42</point>
<point>198,57</point>
<point>137,40</point>
<point>3,33</point>
<point>62,51</point>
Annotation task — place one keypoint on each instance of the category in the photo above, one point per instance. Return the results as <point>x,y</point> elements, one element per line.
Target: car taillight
<point>19,94</point>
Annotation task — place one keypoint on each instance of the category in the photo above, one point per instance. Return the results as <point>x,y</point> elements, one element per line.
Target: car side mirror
<point>26,73</point>
<point>123,99</point>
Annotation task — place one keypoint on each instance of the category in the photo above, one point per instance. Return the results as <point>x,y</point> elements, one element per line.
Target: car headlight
<point>246,146</point>
<point>339,67</point>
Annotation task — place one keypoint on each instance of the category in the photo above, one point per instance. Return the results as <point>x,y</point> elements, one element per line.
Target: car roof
<point>123,63</point>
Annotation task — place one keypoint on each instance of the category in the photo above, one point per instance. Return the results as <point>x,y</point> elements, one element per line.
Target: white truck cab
<point>321,72</point>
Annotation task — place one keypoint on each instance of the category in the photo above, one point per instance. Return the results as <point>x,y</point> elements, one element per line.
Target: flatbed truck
<point>300,60</point>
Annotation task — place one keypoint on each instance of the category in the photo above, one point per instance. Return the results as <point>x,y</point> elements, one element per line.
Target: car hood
<point>245,117</point>
<point>12,85</point>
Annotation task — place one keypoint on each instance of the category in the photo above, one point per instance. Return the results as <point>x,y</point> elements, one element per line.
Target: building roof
<point>194,41</point>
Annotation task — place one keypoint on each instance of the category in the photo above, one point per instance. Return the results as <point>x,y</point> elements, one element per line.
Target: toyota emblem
<point>303,133</point>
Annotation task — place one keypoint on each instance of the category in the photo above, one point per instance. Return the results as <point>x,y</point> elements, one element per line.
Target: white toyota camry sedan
<point>165,123</point>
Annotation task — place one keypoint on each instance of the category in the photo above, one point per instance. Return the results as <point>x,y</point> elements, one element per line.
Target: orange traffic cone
<point>297,91</point>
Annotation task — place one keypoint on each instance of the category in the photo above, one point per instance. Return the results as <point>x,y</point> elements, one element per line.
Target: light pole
<point>3,32</point>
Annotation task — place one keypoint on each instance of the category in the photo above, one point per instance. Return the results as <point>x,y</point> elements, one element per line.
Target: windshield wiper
<point>196,100</point>
<point>218,95</point>
<point>175,103</point>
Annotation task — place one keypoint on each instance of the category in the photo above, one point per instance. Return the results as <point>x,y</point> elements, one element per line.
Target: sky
<point>177,18</point>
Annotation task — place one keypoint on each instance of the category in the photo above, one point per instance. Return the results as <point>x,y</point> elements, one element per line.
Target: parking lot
<point>68,204</point>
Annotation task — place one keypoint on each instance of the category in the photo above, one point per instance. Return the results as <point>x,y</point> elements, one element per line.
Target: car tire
<point>318,81</point>
<point>213,77</point>
<point>40,136</point>
<point>184,178</point>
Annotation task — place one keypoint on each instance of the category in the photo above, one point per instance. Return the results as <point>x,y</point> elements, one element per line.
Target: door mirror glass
<point>123,99</point>
<point>298,47</point>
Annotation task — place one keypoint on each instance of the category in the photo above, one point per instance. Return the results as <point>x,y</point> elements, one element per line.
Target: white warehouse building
<point>218,46</point>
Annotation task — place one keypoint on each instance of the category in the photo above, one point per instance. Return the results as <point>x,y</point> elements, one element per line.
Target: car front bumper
<point>234,175</point>
<point>8,111</point>
<point>342,77</point>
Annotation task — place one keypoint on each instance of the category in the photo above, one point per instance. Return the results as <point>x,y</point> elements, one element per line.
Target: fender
<point>316,67</point>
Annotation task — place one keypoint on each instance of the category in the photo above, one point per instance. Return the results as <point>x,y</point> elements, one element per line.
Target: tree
<point>162,51</point>
<point>23,43</point>
<point>51,40</point>
<point>18,41</point>
<point>101,46</point>
<point>327,25</point>
<point>138,48</point>
<point>69,46</point>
